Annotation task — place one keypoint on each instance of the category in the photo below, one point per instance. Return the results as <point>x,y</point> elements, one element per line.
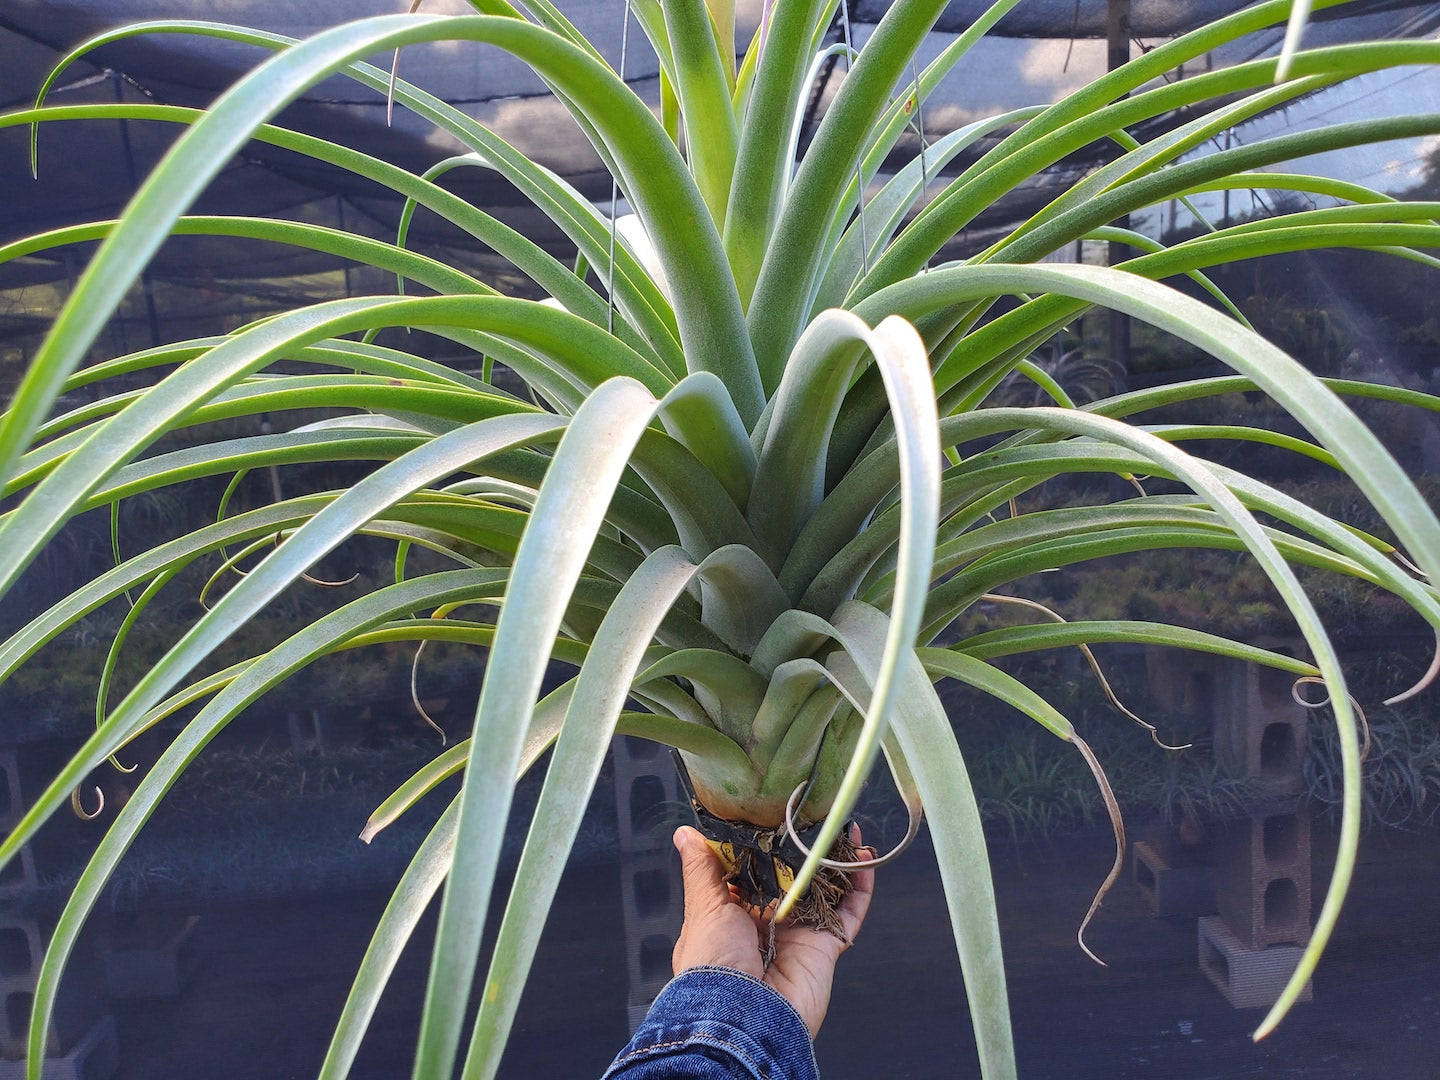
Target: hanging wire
<point>918,122</point>
<point>1074,29</point>
<point>859,179</point>
<point>615,188</point>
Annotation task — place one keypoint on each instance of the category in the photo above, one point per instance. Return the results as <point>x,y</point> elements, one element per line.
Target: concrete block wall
<point>1262,877</point>
<point>80,1039</point>
<point>1262,860</point>
<point>1249,978</point>
<point>77,1009</point>
<point>647,792</point>
<point>653,905</point>
<point>1259,728</point>
<point>18,878</point>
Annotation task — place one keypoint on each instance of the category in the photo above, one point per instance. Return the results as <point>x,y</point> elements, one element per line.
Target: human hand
<point>719,931</point>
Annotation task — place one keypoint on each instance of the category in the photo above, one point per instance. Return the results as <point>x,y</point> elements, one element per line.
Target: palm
<point>803,969</point>
<point>797,962</point>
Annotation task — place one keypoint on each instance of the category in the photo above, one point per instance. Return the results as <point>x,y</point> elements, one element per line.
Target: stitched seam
<point>707,1040</point>
<point>779,997</point>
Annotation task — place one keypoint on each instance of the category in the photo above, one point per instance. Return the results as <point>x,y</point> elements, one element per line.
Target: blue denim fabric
<point>713,1023</point>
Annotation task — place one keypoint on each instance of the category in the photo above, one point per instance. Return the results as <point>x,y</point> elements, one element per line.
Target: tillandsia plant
<point>756,477</point>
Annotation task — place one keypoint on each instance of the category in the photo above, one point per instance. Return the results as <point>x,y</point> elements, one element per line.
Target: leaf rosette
<point>756,470</point>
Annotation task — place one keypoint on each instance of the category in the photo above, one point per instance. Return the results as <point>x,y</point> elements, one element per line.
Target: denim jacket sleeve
<point>713,1023</point>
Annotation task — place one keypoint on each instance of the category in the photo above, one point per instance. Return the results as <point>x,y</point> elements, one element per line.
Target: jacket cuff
<point>720,1012</point>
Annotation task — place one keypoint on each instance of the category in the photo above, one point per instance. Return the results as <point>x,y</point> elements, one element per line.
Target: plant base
<point>762,863</point>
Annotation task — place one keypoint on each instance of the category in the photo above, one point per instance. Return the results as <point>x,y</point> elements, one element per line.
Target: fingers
<point>717,931</point>
<point>703,874</point>
<point>862,888</point>
<point>805,957</point>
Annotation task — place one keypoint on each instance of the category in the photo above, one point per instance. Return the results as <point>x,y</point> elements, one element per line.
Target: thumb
<point>703,873</point>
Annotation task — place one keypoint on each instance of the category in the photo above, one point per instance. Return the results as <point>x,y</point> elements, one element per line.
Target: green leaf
<point>599,695</point>
<point>886,210</point>
<point>943,781</point>
<point>790,478</point>
<point>570,506</point>
<point>793,254</point>
<point>248,685</point>
<point>1282,378</point>
<point>740,597</point>
<point>698,70</point>
<point>762,163</point>
<point>700,416</point>
<point>1011,640</point>
<point>900,356</point>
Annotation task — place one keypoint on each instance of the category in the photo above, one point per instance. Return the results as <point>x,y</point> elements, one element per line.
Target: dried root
<point>762,863</point>
<point>827,892</point>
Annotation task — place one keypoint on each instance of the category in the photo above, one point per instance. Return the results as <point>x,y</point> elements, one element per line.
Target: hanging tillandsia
<point>756,472</point>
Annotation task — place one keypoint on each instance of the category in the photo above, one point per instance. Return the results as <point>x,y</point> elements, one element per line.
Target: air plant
<point>752,480</point>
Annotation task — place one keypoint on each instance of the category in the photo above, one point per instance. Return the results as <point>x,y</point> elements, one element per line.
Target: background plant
<point>721,495</point>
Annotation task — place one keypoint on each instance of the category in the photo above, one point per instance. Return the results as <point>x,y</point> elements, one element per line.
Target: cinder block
<point>653,905</point>
<point>12,805</point>
<point>147,957</point>
<point>94,1057</point>
<point>75,1012</point>
<point>1181,682</point>
<point>647,789</point>
<point>647,792</point>
<point>650,969</point>
<point>1262,877</point>
<point>650,892</point>
<point>1249,978</point>
<point>21,946</point>
<point>1259,729</point>
<point>1172,891</point>
<point>18,876</point>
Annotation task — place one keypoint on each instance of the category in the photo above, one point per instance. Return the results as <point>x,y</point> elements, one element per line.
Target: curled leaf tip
<point>1306,703</point>
<point>79,808</point>
<point>1425,680</point>
<point>1162,744</point>
<point>912,830</point>
<point>332,584</point>
<point>1080,938</point>
<point>415,696</point>
<point>1117,823</point>
<point>395,76</point>
<point>1109,691</point>
<point>1404,560</point>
